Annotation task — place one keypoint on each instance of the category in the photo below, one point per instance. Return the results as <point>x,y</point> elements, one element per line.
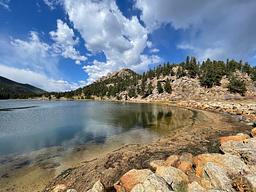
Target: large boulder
<point>231,163</point>
<point>132,178</point>
<point>173,176</point>
<point>218,177</point>
<point>152,183</point>
<point>245,149</point>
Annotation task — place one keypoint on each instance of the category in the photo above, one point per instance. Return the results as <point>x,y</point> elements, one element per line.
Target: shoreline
<point>158,150</point>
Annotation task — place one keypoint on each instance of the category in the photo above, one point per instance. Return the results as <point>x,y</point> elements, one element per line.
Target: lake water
<point>26,126</point>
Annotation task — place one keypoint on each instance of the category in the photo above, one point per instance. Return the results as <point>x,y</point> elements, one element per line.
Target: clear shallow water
<point>26,126</point>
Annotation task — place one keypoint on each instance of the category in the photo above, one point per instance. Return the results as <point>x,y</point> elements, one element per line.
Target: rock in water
<point>173,176</point>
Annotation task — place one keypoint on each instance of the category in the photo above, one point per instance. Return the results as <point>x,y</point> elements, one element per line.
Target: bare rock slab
<point>218,177</point>
<point>173,176</point>
<point>132,178</point>
<point>97,187</point>
<point>245,149</point>
<point>152,183</point>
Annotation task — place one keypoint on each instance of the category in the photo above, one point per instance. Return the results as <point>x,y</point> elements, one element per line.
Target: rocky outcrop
<point>229,172</point>
<point>244,110</point>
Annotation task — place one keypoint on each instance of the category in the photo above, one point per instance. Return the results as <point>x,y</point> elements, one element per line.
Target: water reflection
<point>73,123</point>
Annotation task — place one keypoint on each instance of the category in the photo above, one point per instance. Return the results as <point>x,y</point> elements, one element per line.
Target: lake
<point>27,125</point>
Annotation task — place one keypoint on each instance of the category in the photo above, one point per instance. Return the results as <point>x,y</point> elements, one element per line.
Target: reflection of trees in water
<point>159,119</point>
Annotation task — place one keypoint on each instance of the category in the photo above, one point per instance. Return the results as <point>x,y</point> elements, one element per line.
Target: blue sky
<point>60,45</point>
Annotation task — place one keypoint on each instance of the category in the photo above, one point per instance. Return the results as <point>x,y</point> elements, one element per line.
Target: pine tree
<point>168,87</point>
<point>159,87</point>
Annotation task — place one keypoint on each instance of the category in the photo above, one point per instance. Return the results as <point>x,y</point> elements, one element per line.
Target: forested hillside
<point>12,90</point>
<point>127,84</point>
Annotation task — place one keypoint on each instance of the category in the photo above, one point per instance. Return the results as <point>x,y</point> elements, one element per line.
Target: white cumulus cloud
<point>65,41</point>
<point>37,79</point>
<point>217,29</point>
<point>105,29</point>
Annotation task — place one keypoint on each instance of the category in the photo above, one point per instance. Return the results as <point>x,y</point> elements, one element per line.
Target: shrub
<point>236,86</point>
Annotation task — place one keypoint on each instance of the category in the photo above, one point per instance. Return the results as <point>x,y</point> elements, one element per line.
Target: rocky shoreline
<point>244,110</point>
<point>232,170</point>
<point>202,163</point>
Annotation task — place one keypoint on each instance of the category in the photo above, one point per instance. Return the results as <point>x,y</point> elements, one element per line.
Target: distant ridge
<point>12,90</point>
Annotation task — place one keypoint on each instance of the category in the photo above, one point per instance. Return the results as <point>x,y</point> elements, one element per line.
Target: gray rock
<point>71,190</point>
<point>252,181</point>
<point>97,187</point>
<point>218,177</point>
<point>195,187</point>
<point>245,149</point>
<point>173,176</point>
<point>153,183</point>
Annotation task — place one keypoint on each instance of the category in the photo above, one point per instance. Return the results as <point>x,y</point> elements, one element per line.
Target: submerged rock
<point>173,176</point>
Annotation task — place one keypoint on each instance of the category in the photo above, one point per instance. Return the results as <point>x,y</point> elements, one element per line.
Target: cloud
<point>37,79</point>
<point>5,4</point>
<point>216,29</point>
<point>65,41</point>
<point>31,53</point>
<point>105,29</point>
<point>32,61</point>
<point>154,50</point>
<point>52,3</point>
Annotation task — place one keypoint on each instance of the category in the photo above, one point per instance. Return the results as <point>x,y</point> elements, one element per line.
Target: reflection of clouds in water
<point>74,123</point>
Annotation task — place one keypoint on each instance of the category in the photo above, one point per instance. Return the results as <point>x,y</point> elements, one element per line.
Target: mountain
<point>11,90</point>
<point>210,79</point>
